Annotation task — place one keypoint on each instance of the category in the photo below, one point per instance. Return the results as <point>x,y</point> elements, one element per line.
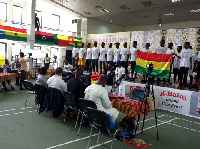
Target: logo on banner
<point>171,94</point>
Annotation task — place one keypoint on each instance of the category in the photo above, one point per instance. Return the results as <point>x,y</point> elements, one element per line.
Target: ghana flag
<point>2,32</point>
<point>44,38</point>
<point>161,64</point>
<point>61,40</point>
<point>15,34</point>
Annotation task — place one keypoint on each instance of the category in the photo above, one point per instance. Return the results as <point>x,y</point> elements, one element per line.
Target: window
<point>39,15</point>
<point>3,11</point>
<point>15,50</point>
<point>55,22</point>
<point>17,14</point>
<point>3,49</point>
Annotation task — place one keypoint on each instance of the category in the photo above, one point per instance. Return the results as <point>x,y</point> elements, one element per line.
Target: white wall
<point>165,26</point>
<point>99,27</point>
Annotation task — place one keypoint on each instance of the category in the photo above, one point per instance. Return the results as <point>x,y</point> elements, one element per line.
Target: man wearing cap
<point>133,56</point>
<point>102,57</point>
<point>109,54</point>
<point>124,57</point>
<point>117,53</point>
<point>23,68</point>
<point>95,57</point>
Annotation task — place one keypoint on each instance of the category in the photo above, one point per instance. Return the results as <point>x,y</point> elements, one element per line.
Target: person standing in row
<point>47,61</point>
<point>117,54</point>
<point>95,57</point>
<point>176,65</point>
<point>185,64</point>
<point>170,50</point>
<point>102,57</point>
<point>161,50</point>
<point>23,68</point>
<point>89,57</point>
<point>124,57</point>
<point>133,53</point>
<point>110,53</point>
<point>81,61</point>
<point>75,52</point>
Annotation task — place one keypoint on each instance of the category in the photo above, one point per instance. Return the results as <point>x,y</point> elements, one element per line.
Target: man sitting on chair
<point>98,94</point>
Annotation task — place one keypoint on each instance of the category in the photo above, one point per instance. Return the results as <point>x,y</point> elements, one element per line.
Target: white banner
<point>173,99</point>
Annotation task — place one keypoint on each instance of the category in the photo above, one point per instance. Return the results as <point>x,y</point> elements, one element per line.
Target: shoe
<point>12,88</point>
<point>183,87</point>
<point>6,89</point>
<point>22,89</point>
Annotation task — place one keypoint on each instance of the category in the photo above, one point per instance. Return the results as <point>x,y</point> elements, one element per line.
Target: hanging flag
<point>15,34</point>
<point>2,32</point>
<point>161,64</point>
<point>61,40</point>
<point>71,41</point>
<point>44,38</point>
<point>78,41</point>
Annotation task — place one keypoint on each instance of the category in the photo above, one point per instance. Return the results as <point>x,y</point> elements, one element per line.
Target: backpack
<point>128,123</point>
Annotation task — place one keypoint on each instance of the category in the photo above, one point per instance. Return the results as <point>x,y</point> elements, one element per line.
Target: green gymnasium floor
<point>23,128</point>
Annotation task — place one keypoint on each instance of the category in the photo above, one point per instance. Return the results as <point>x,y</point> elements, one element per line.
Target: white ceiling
<point>138,14</point>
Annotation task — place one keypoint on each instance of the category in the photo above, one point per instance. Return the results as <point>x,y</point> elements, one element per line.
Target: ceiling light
<point>197,10</point>
<point>103,10</point>
<point>106,10</point>
<point>169,14</point>
<point>159,23</point>
<point>110,21</point>
<point>176,1</point>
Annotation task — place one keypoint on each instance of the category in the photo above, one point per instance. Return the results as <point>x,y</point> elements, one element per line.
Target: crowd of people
<point>116,62</point>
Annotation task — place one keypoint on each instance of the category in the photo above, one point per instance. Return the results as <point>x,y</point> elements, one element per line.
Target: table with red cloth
<point>131,108</point>
<point>6,77</point>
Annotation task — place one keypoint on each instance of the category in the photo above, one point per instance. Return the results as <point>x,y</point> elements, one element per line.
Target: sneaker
<point>183,87</point>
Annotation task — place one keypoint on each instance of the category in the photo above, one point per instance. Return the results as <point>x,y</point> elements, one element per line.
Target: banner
<point>195,104</point>
<point>108,38</point>
<point>173,99</point>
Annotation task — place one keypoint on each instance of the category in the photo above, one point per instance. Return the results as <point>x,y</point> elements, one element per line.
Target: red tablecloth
<point>131,108</point>
<point>6,76</point>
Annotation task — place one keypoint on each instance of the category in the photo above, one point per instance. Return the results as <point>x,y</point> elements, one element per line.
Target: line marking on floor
<point>100,144</point>
<point>184,127</point>
<point>15,109</point>
<point>16,113</point>
<point>71,142</point>
<point>151,118</point>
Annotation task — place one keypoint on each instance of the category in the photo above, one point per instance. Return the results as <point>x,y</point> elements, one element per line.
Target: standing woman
<point>23,68</point>
<point>47,61</point>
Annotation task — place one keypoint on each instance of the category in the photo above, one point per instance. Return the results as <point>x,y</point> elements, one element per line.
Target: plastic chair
<point>83,105</point>
<point>100,121</point>
<point>29,87</point>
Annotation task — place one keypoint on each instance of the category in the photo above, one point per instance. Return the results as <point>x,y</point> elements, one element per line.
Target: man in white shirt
<point>176,64</point>
<point>147,48</point>
<point>47,61</point>
<point>110,53</point>
<point>56,81</point>
<point>89,57</point>
<point>119,73</point>
<point>82,51</point>
<point>161,50</point>
<point>194,58</point>
<point>185,64</point>
<point>98,94</point>
<point>95,57</point>
<point>124,57</point>
<point>75,55</point>
<point>67,67</point>
<point>117,53</point>
<point>133,55</point>
<point>102,57</point>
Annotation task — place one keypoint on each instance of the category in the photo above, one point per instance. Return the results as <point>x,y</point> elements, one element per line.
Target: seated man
<point>56,81</point>
<point>98,94</point>
<point>76,86</point>
<point>119,73</point>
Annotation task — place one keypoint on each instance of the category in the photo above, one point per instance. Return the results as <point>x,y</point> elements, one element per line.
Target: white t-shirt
<point>89,53</point>
<point>133,53</point>
<point>194,58</point>
<point>124,54</point>
<point>161,50</point>
<point>147,50</point>
<point>119,72</point>
<point>177,61</point>
<point>81,52</point>
<point>110,54</point>
<point>47,60</point>
<point>170,51</point>
<point>95,53</point>
<point>116,55</point>
<point>75,52</point>
<point>103,53</point>
<point>185,58</point>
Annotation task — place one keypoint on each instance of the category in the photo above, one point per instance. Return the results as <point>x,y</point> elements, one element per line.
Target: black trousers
<point>95,65</point>
<point>133,64</point>
<point>23,77</point>
<point>46,65</point>
<point>125,65</point>
<point>176,73</point>
<point>88,64</point>
<point>102,66</point>
<point>183,72</point>
<point>37,27</point>
<point>4,83</point>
